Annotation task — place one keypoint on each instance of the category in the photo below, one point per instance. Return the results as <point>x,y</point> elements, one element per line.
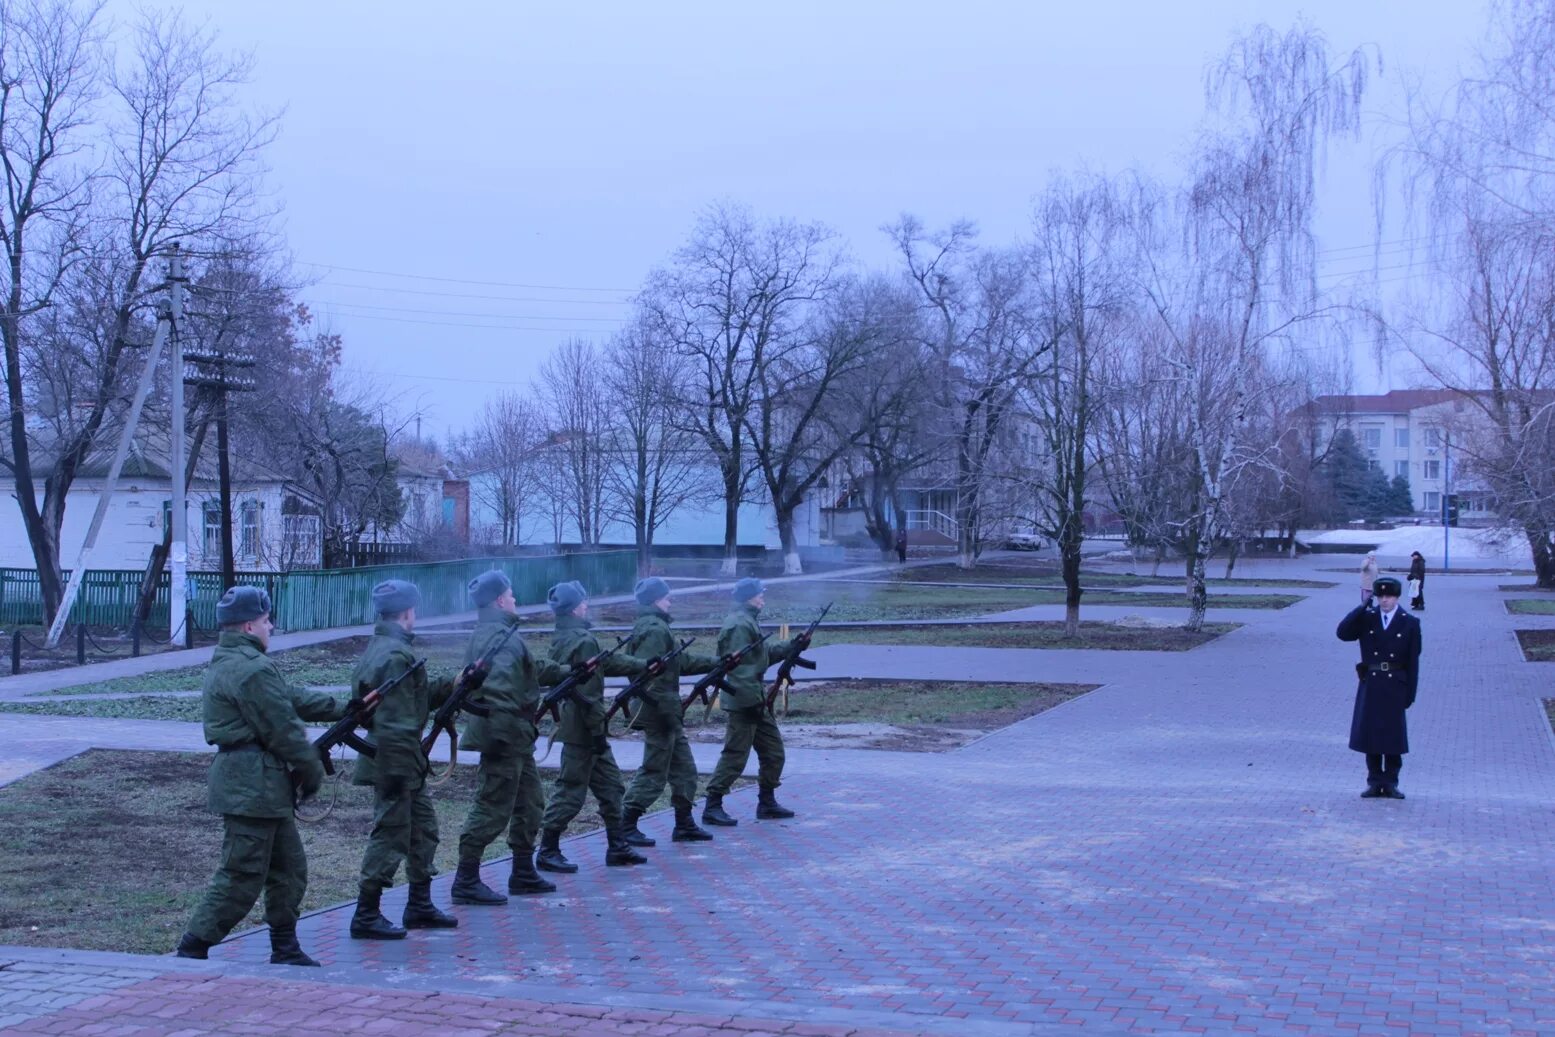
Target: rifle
<point>639,686</point>
<point>446,718</point>
<point>784,679</point>
<point>344,730</point>
<point>714,678</point>
<point>568,688</point>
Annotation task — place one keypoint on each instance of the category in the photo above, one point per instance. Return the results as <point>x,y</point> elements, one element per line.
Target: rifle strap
<point>313,818</point>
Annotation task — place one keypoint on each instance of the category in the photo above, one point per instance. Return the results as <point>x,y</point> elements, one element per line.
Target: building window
<point>448,512</point>
<point>1433,469</point>
<point>1433,438</point>
<point>1433,502</point>
<point>1401,469</point>
<point>248,530</point>
<point>1401,438</point>
<point>300,539</point>
<point>1371,438</point>
<point>211,514</point>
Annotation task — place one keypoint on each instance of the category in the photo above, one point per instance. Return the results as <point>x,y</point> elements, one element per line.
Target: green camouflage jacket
<point>574,643</point>
<point>512,688</point>
<point>652,637</point>
<point>255,719</point>
<point>396,725</point>
<point>740,628</point>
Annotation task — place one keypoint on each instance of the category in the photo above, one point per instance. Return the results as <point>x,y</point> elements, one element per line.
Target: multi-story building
<point>1411,432</point>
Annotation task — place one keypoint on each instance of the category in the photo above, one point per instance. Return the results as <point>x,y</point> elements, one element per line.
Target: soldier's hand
<point>473,676</point>
<point>803,641</point>
<point>355,706</point>
<point>655,667</point>
<point>601,744</point>
<point>309,783</point>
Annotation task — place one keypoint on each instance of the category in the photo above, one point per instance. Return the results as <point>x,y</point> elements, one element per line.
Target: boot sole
<point>557,869</point>
<point>719,824</point>
<point>378,936</point>
<point>625,864</point>
<point>643,842</point>
<point>773,817</point>
<point>452,923</point>
<point>469,901</point>
<point>703,838</point>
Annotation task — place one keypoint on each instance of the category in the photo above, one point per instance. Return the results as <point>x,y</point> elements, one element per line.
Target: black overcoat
<point>1391,659</point>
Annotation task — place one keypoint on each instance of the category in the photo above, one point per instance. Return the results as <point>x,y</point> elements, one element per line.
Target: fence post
<point>135,638</point>
<point>80,644</point>
<point>16,653</point>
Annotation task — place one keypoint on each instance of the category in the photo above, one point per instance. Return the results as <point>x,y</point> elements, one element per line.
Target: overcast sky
<point>471,182</point>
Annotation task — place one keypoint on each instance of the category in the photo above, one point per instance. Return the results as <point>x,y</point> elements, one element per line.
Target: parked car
<point>1025,542</point>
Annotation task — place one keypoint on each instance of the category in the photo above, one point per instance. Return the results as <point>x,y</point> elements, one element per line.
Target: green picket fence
<point>318,599</point>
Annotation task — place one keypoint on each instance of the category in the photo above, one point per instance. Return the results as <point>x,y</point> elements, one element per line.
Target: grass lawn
<point>1531,606</point>
<point>1046,634</point>
<point>1047,574</point>
<point>985,707</point>
<point>1549,711</point>
<point>112,850</point>
<point>1538,645</point>
<point>1526,588</point>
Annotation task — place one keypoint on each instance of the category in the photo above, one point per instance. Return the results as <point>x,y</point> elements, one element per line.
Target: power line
<point>474,295</point>
<point>465,280</point>
<point>489,327</point>
<point>468,313</point>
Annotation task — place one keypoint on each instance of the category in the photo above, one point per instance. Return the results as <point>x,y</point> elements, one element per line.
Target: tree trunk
<point>1233,551</point>
<point>733,484</point>
<point>1198,597</point>
<point>1069,557</point>
<point>785,523</point>
<point>1543,548</point>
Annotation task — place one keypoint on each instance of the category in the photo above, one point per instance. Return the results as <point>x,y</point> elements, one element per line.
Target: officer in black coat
<point>1389,673</point>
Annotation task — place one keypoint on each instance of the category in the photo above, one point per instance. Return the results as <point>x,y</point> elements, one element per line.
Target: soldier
<point>404,821</point>
<point>255,721</point>
<point>744,702</point>
<point>508,793</point>
<point>587,761</point>
<point>666,753</point>
<point>1389,673</point>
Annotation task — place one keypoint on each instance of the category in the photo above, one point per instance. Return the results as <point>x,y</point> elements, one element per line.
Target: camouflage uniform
<point>743,700</point>
<point>666,753</point>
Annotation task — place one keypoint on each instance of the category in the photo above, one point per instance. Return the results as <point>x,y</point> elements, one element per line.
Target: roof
<point>1397,401</point>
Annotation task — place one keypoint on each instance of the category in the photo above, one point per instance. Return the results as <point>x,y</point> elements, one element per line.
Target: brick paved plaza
<point>1183,850</point>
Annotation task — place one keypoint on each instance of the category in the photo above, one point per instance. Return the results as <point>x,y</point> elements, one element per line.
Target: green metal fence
<point>318,599</point>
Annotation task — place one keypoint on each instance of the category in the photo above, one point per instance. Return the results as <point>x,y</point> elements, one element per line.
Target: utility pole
<point>223,381</point>
<point>178,557</point>
<point>1446,498</point>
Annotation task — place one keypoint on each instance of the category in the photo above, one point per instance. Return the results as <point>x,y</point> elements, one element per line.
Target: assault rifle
<point>785,679</point>
<point>466,684</point>
<point>714,679</point>
<point>639,685</point>
<point>568,688</point>
<point>343,731</point>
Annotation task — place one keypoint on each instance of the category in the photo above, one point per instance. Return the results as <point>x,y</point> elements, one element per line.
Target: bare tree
<point>499,458</point>
<point>982,338</point>
<point>655,461</point>
<point>734,292</point>
<point>571,393</point>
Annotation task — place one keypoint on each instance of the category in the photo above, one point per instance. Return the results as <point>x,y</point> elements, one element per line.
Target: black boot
<point>191,946</point>
<point>768,808</point>
<point>618,851</point>
<point>550,857</point>
<point>525,880</point>
<point>368,923</point>
<point>713,812</point>
<point>421,913</point>
<point>284,948</point>
<point>469,889</point>
<point>686,830</point>
<point>629,829</point>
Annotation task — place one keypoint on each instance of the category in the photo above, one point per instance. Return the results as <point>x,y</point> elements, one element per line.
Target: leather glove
<point>474,676</point>
<point>601,744</point>
<point>1360,670</point>
<point>654,667</point>
<point>356,706</point>
<point>803,641</point>
<point>309,782</point>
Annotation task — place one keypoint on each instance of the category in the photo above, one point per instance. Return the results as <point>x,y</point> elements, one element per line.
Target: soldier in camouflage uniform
<point>744,702</point>
<point>587,761</point>
<point>508,793</point>
<point>404,821</point>
<point>255,720</point>
<point>666,753</point>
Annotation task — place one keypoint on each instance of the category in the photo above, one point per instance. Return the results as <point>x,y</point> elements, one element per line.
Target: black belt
<point>1385,668</point>
<point>239,747</point>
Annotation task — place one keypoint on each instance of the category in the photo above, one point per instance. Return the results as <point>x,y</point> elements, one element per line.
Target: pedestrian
<point>901,544</point>
<point>588,764</point>
<point>404,820</point>
<point>508,792</point>
<point>1389,673</point>
<point>666,752</point>
<point>255,721</point>
<point>1368,576</point>
<point>748,724</point>
<point>1416,582</point>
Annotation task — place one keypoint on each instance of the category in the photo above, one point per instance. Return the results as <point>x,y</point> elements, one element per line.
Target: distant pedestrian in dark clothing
<point>901,544</point>
<point>1389,673</point>
<point>1416,581</point>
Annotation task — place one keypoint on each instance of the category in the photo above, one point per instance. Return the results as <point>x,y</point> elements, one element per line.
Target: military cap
<point>394,596</point>
<point>748,588</point>
<point>488,587</point>
<point>564,597</point>
<point>1388,585</point>
<point>650,590</point>
<point>241,604</point>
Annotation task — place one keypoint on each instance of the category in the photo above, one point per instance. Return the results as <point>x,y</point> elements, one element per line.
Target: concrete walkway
<point>1182,850</point>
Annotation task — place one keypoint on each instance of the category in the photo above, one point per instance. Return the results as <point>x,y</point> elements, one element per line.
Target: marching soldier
<point>404,821</point>
<point>744,703</point>
<point>255,720</point>
<point>1389,673</point>
<point>508,793</point>
<point>666,753</point>
<point>588,764</point>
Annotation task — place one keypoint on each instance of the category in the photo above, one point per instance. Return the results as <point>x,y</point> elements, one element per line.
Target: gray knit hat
<point>488,587</point>
<point>748,588</point>
<point>564,597</point>
<point>394,596</point>
<point>241,604</point>
<point>650,590</point>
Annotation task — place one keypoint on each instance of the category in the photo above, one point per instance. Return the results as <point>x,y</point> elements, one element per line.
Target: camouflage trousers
<point>508,794</point>
<point>584,771</point>
<point>666,759</point>
<point>404,829</point>
<point>747,729</point>
<point>258,855</point>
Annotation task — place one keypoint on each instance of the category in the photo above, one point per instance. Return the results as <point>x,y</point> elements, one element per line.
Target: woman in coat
<point>1416,582</point>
